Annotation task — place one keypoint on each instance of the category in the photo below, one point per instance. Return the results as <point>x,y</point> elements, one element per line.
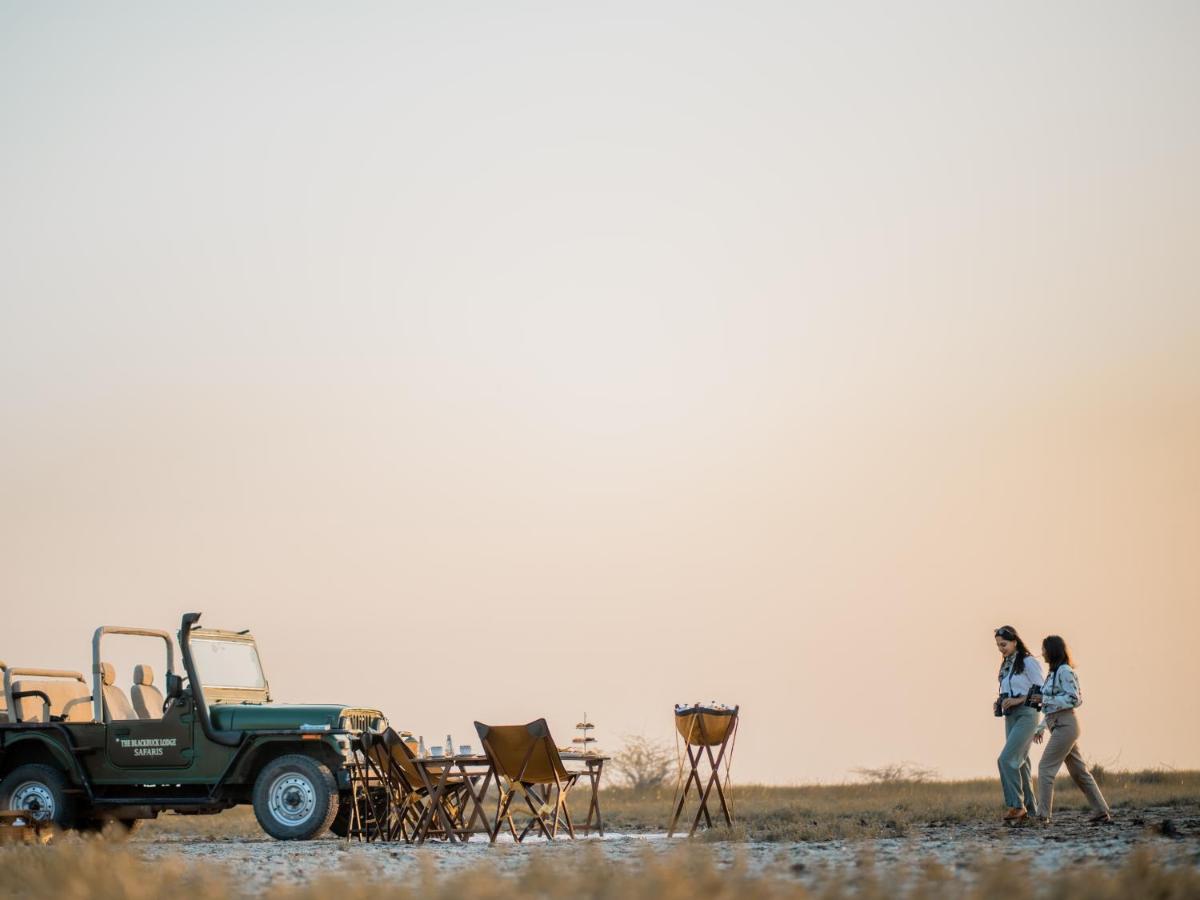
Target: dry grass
<point>74,868</point>
<point>806,813</point>
<point>887,809</point>
<point>95,870</point>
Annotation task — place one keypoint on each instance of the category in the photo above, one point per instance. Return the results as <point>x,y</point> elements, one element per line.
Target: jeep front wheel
<point>42,790</point>
<point>295,798</point>
<point>341,823</point>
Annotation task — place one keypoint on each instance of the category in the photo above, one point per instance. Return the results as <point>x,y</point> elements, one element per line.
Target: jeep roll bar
<point>226,738</point>
<point>97,684</point>
<point>47,706</point>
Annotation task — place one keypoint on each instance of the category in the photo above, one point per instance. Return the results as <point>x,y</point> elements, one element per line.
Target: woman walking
<point>1060,698</point>
<point>1020,674</point>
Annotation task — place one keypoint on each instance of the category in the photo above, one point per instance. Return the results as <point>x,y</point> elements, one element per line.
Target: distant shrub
<point>1161,775</point>
<point>896,773</point>
<point>643,764</point>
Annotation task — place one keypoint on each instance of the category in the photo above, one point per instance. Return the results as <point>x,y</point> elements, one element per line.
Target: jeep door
<point>164,743</point>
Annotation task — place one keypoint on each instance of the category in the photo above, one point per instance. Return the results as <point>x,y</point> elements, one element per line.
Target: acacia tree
<point>896,773</point>
<point>643,764</point>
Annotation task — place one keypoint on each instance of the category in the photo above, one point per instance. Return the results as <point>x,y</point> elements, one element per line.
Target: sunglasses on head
<point>1007,633</point>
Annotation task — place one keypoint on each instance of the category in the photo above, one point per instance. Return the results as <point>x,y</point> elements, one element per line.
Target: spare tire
<point>295,798</point>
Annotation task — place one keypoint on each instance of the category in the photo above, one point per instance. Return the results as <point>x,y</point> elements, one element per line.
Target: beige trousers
<point>1063,746</point>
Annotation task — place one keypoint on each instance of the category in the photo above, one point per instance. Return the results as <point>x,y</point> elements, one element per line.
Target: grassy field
<point>74,868</point>
<point>93,870</point>
<point>826,812</point>
<point>810,813</point>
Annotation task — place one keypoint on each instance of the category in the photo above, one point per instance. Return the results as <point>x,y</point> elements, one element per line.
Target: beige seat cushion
<point>116,704</point>
<point>67,698</point>
<point>147,699</point>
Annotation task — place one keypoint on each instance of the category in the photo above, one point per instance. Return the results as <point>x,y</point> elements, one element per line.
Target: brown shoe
<point>1014,816</point>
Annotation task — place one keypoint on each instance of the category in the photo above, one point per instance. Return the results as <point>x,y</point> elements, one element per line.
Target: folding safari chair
<point>701,730</point>
<point>371,793</point>
<point>527,764</point>
<point>415,802</point>
<point>389,797</point>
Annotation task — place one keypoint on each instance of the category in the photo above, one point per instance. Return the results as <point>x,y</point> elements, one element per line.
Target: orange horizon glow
<point>771,356</point>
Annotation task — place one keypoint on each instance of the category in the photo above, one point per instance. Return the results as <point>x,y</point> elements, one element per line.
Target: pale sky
<point>492,361</point>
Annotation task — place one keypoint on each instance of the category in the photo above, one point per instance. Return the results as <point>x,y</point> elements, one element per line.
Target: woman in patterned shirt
<point>1060,698</point>
<point>1020,674</point>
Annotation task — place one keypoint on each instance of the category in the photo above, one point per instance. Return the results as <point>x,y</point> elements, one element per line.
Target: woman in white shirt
<point>1020,673</point>
<point>1060,698</point>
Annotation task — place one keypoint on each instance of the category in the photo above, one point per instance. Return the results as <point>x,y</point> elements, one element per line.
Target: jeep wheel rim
<point>292,799</point>
<point>34,797</point>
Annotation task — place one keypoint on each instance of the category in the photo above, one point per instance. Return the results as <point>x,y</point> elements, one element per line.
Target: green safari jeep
<point>82,756</point>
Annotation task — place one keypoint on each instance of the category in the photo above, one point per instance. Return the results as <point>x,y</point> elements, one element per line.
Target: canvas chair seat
<point>528,765</point>
<point>401,756</point>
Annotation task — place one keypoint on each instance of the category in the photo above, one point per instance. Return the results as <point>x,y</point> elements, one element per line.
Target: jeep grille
<point>362,720</point>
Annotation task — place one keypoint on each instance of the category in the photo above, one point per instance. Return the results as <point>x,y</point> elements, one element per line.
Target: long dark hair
<point>1010,634</point>
<point>1056,651</point>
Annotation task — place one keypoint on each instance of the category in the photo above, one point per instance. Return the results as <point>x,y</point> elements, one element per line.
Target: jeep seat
<point>116,704</point>
<point>147,699</point>
<point>69,699</point>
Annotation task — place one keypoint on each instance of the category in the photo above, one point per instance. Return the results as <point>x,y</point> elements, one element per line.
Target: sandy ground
<point>1174,832</point>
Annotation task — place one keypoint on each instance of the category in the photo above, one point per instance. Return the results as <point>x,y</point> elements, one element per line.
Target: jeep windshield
<point>228,665</point>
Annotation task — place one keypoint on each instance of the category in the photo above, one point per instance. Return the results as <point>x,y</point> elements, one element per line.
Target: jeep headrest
<point>143,674</point>
<point>107,673</point>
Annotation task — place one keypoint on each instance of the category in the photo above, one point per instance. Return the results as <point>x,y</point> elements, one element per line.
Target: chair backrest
<point>147,699</point>
<point>524,753</point>
<point>374,750</point>
<point>396,756</point>
<point>705,726</point>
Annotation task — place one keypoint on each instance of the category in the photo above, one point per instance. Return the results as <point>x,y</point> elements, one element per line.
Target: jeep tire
<point>41,789</point>
<point>341,822</point>
<point>295,798</point>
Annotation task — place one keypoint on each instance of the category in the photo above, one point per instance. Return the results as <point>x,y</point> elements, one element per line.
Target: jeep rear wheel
<point>295,798</point>
<point>42,790</point>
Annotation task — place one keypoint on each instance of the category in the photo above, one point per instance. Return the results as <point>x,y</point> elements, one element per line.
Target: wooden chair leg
<point>503,814</point>
<point>536,812</point>
<point>566,814</point>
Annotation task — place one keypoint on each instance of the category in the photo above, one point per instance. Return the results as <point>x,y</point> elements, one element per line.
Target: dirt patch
<point>1173,832</point>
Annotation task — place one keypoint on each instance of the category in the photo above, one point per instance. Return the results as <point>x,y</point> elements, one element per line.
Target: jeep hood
<point>273,716</point>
